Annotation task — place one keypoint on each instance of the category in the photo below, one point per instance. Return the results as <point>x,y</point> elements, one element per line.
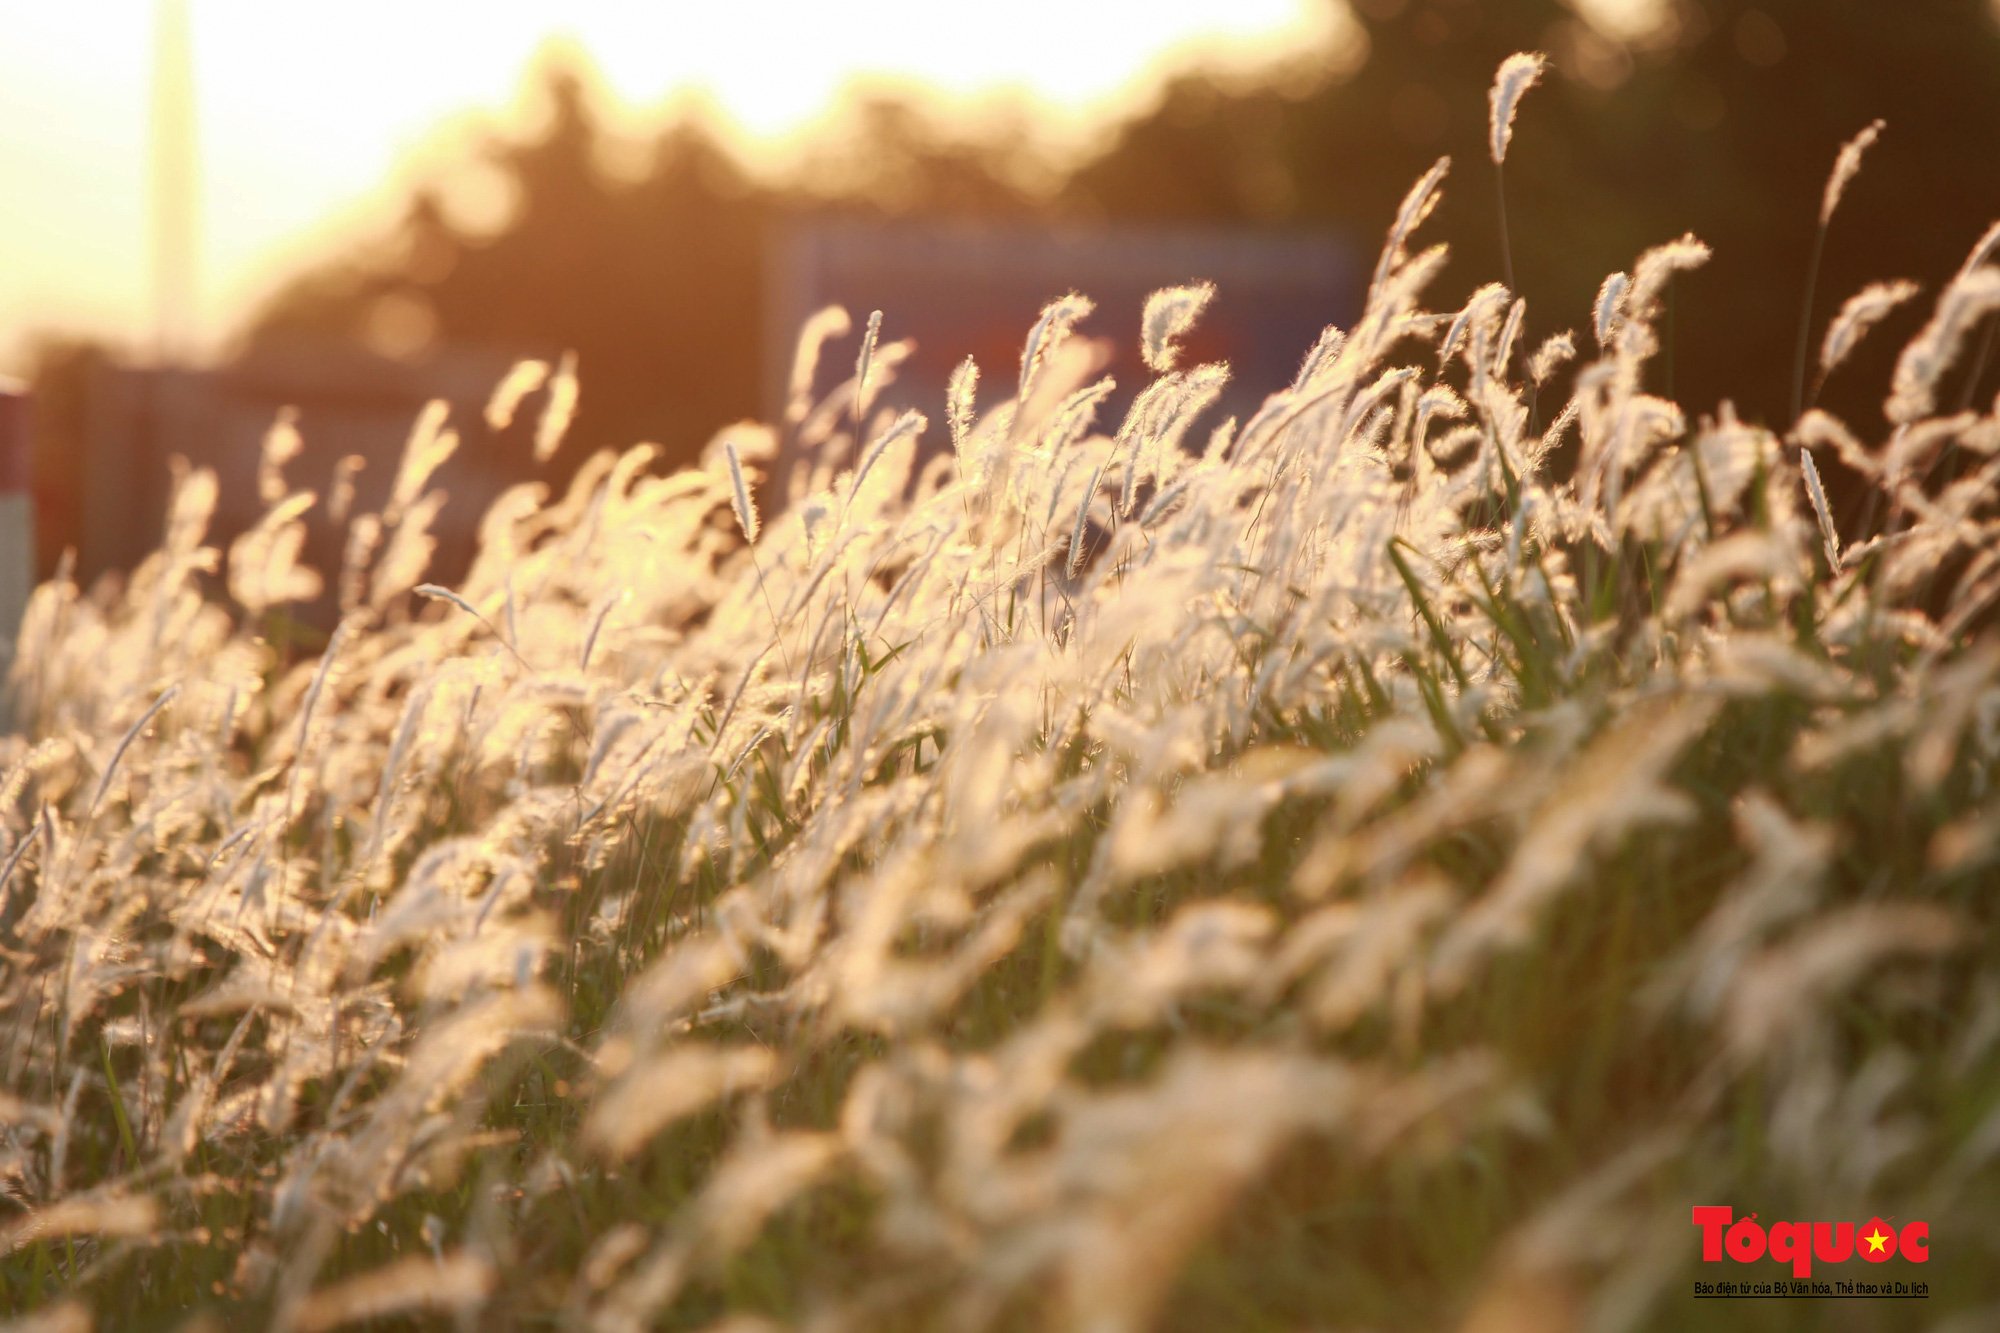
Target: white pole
<point>176,206</point>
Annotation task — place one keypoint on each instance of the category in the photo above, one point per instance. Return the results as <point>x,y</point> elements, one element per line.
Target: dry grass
<point>1318,871</point>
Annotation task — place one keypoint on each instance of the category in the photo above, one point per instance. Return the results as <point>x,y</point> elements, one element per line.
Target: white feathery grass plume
<point>1082,524</point>
<point>1057,319</point>
<point>1371,397</point>
<point>1817,494</point>
<point>435,593</point>
<point>1199,389</point>
<point>65,1127</point>
<point>605,606</point>
<point>363,537</point>
<point>1141,429</point>
<point>1822,429</point>
<point>820,426</point>
<point>1517,73</point>
<point>1926,358</point>
<point>1219,441</point>
<point>1781,884</point>
<point>14,859</point>
<point>281,445</point>
<point>57,1316</point>
<point>1862,312</point>
<point>960,395</point>
<point>1128,488</point>
<point>189,509</point>
<point>1510,333</point>
<point>739,494</point>
<point>523,379</point>
<point>1170,313</point>
<point>1846,167</point>
<point>1325,351</point>
<point>747,1187</point>
<point>668,1087</point>
<point>1441,401</point>
<point>116,1215</point>
<point>1479,308</point>
<point>1556,351</point>
<point>1517,532</point>
<point>908,424</point>
<point>1634,334</point>
<point>1659,264</point>
<point>1166,498</point>
<point>392,770</point>
<point>309,705</point>
<point>1741,555</point>
<point>1609,309</point>
<point>264,569</point>
<point>1786,988</point>
<point>1416,206</point>
<point>31,765</point>
<point>1988,246</point>
<point>828,323</point>
<point>340,498</point>
<point>560,411</point>
<point>456,1283</point>
<point>1620,783</point>
<point>407,553</point>
<point>813,515</point>
<point>1158,1176</point>
<point>430,444</point>
<point>132,733</point>
<point>65,1315</point>
<point>1077,411</point>
<point>862,362</point>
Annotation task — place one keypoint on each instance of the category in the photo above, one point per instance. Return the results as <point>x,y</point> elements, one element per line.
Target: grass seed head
<point>1517,73</point>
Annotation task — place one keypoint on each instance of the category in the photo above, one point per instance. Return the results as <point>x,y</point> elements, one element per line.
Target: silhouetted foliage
<point>1724,123</point>
<point>658,284</point>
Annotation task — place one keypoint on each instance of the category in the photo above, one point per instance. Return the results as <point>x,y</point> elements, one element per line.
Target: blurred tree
<point>886,156</point>
<point>1660,117</point>
<point>657,283</point>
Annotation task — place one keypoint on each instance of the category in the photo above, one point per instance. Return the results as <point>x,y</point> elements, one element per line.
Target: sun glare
<point>311,122</point>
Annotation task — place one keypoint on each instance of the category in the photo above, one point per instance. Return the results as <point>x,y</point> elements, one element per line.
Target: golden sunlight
<point>1116,666</point>
<point>307,124</point>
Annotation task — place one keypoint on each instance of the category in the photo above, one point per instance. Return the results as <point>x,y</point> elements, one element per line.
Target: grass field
<point>1377,864</point>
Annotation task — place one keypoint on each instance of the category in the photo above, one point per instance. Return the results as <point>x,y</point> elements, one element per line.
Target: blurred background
<point>212,211</point>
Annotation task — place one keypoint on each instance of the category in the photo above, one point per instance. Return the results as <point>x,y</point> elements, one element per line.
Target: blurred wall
<point>17,522</point>
<point>966,287</point>
<point>346,404</point>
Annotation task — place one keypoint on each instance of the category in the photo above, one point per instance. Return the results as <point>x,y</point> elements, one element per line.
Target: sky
<point>312,119</point>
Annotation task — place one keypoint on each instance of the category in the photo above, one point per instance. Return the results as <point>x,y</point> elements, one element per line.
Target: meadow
<point>1374,864</point>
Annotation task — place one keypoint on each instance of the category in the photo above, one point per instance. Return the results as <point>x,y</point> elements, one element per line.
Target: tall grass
<point>1328,869</point>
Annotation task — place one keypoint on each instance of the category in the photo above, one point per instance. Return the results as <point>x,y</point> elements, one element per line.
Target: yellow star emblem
<point>1876,1240</point>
